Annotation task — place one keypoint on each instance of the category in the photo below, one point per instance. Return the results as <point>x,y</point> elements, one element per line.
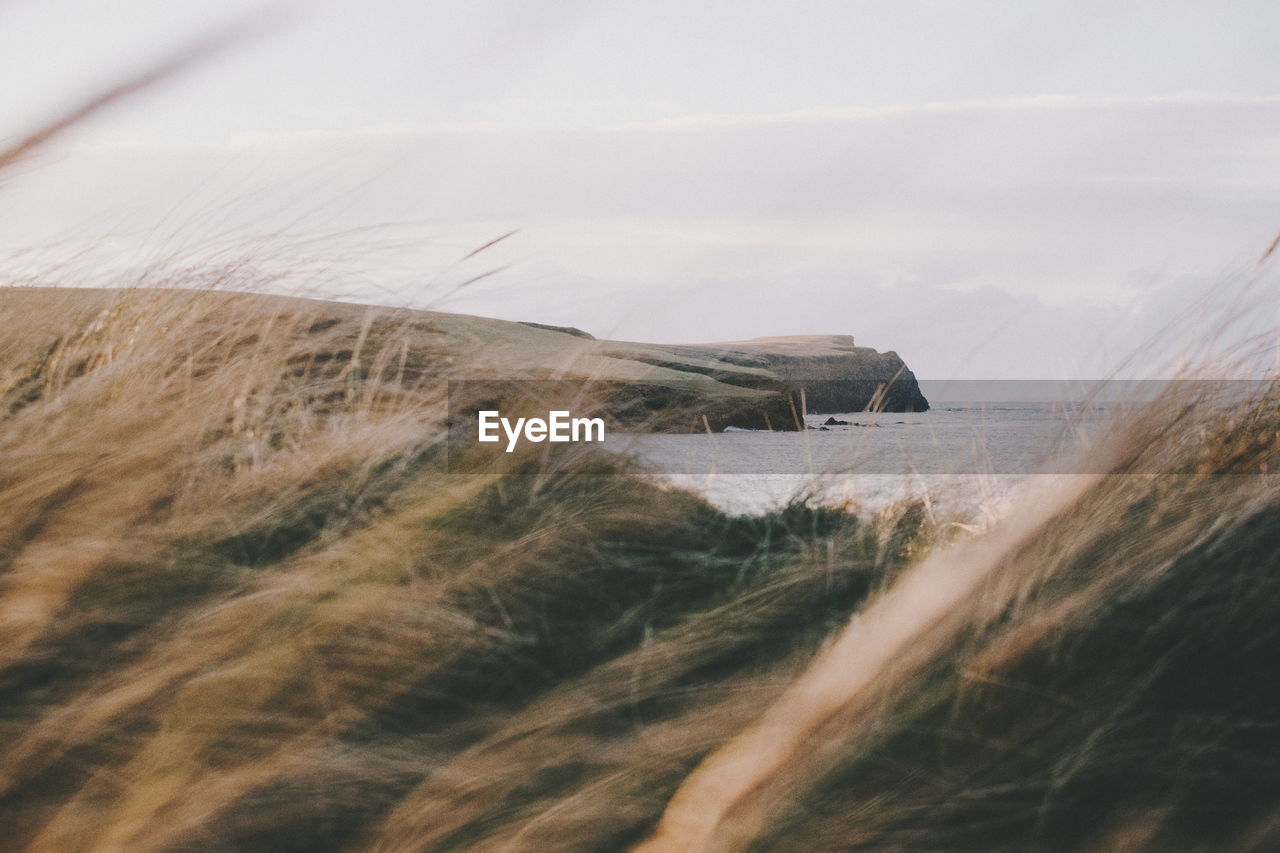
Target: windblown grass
<point>243,606</point>
<point>1094,673</point>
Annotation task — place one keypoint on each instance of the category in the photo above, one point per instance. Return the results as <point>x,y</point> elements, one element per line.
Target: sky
<point>991,189</point>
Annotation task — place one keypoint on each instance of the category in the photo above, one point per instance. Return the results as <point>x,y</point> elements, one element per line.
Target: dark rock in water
<point>822,429</point>
<point>834,422</point>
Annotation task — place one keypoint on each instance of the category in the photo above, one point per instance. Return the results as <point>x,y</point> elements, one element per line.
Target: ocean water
<point>966,459</point>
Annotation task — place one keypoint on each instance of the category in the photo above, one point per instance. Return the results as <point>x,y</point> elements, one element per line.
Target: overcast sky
<point>992,189</point>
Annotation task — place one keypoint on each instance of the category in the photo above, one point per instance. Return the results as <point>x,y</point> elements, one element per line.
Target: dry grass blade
<point>170,66</point>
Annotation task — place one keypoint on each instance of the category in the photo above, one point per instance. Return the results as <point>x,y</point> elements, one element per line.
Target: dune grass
<point>244,606</point>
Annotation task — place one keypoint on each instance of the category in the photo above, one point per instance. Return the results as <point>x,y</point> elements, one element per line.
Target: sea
<point>964,459</point>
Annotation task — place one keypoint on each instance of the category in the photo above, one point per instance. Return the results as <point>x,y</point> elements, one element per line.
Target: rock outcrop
<point>830,372</point>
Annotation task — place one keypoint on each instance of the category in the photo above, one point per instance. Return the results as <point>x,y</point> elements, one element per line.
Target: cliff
<point>830,371</point>
<point>836,375</point>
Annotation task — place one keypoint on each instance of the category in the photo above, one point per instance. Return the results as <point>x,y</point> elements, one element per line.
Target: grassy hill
<point>753,384</point>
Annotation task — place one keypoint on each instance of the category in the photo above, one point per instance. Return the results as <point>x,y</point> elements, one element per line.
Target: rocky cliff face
<point>832,373</point>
